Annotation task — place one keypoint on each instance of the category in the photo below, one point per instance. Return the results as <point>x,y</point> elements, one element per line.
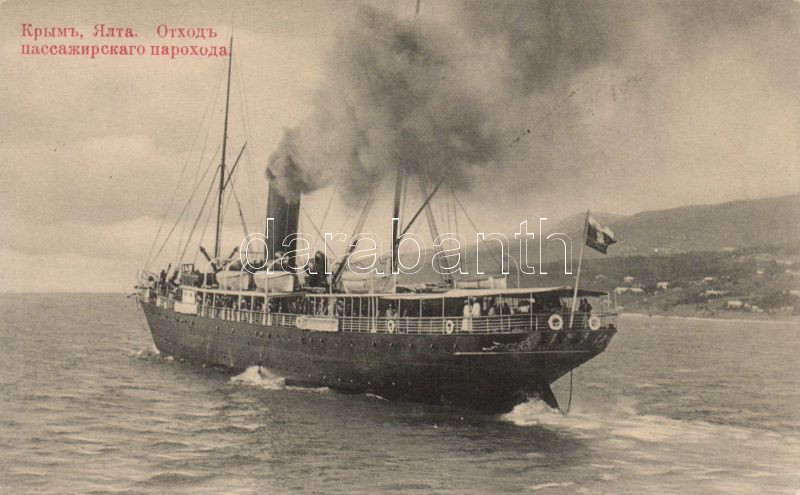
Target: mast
<point>398,191</point>
<point>222,163</point>
<point>578,276</point>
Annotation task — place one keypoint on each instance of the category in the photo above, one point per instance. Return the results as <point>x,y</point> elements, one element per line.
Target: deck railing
<point>493,324</point>
<point>165,302</point>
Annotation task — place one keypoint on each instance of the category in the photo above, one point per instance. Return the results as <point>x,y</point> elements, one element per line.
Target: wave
<point>654,446</point>
<point>621,420</point>
<point>261,377</point>
<point>622,423</point>
<point>542,486</point>
<point>258,376</point>
<point>153,355</point>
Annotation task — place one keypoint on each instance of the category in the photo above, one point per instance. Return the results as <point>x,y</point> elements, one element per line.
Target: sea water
<point>87,405</point>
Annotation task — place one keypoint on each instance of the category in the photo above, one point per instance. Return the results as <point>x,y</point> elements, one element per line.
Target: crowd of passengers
<point>362,306</point>
<point>355,306</point>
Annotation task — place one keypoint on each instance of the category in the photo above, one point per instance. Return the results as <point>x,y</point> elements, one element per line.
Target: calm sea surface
<point>674,406</point>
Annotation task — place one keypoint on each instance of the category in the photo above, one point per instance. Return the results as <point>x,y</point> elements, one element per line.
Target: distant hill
<point>737,224</point>
<point>722,227</point>
<point>575,223</point>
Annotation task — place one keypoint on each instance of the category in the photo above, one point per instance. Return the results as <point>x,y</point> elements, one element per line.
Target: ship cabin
<point>455,311</point>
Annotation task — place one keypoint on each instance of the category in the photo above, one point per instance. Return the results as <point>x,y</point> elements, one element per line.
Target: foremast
<point>218,240</point>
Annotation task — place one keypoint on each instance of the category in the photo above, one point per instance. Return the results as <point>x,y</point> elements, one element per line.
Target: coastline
<point>775,321</point>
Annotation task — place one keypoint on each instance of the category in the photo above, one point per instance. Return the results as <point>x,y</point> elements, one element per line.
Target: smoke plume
<point>527,95</point>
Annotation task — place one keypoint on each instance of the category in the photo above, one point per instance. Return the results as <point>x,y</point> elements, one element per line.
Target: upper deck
<point>459,311</point>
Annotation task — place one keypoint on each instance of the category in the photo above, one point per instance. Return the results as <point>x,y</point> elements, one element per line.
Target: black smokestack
<point>283,206</point>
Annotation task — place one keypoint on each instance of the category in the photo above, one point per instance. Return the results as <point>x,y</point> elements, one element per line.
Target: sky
<point>527,109</point>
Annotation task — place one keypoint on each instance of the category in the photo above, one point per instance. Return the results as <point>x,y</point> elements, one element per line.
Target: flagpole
<point>578,276</point>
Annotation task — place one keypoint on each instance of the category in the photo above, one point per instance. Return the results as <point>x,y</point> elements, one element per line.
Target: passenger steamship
<point>401,343</point>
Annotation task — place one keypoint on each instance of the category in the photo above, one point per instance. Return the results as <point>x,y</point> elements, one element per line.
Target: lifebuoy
<point>594,323</point>
<point>555,322</point>
<point>390,326</point>
<point>449,326</point>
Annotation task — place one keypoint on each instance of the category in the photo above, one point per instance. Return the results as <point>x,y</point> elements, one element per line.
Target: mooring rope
<point>569,402</point>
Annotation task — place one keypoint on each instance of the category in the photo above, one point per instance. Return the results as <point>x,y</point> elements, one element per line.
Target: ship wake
<point>655,446</point>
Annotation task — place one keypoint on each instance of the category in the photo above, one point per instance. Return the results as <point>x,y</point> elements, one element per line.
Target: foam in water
<point>531,413</point>
<point>260,377</point>
<point>543,486</point>
<point>624,423</point>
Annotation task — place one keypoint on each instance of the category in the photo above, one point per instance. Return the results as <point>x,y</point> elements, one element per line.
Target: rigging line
<point>208,128</point>
<point>203,234</point>
<point>184,227</point>
<point>252,195</point>
<point>350,215</point>
<point>213,105</point>
<point>547,115</point>
<point>426,202</point>
<point>183,171</point>
<point>359,225</point>
<point>455,226</point>
<point>227,202</point>
<point>314,226</point>
<point>199,215</point>
<point>328,208</point>
<point>431,225</point>
<point>363,218</point>
<point>245,115</point>
<point>403,204</point>
<point>183,212</point>
<point>345,221</point>
<point>239,206</point>
<point>235,164</point>
<point>476,229</point>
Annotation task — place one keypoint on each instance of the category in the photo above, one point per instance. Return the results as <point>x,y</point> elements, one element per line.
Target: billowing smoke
<point>521,95</point>
<point>398,96</point>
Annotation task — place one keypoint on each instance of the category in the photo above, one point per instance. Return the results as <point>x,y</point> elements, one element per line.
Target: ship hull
<point>474,371</point>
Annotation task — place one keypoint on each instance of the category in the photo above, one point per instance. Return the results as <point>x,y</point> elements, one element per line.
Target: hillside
<point>649,241</point>
<point>737,224</point>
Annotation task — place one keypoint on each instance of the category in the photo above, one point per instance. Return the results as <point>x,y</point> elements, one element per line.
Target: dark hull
<point>445,369</point>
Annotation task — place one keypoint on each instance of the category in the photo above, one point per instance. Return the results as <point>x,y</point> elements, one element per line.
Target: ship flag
<point>598,237</point>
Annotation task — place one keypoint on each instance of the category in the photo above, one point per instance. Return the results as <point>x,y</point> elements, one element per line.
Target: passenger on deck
<point>476,307</point>
<point>466,322</point>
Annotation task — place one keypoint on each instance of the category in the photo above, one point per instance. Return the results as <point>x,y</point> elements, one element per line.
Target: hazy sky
<point>631,105</point>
